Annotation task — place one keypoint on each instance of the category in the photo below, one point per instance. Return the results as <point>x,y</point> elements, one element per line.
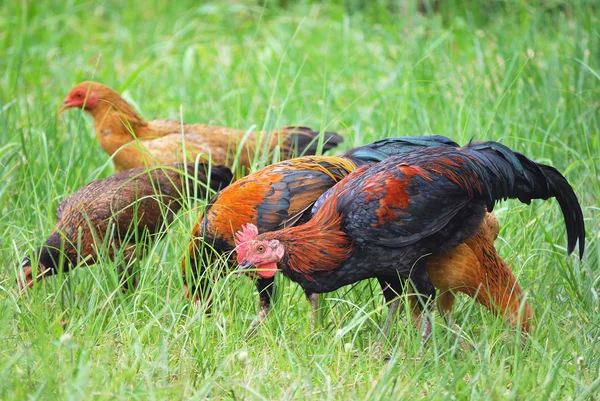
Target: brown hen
<point>133,142</point>
<point>129,209</point>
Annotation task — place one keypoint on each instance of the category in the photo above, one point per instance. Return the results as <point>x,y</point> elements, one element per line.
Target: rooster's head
<point>256,252</point>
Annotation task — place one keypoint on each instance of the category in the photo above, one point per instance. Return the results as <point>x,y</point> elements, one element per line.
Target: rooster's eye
<point>260,249</point>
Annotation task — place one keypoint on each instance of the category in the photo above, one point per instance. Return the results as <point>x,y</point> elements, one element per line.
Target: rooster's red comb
<point>247,233</point>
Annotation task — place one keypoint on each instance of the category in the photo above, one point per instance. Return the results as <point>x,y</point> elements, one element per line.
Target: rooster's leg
<point>392,289</point>
<point>265,289</point>
<point>425,292</point>
<point>389,319</point>
<point>313,298</point>
<point>197,280</point>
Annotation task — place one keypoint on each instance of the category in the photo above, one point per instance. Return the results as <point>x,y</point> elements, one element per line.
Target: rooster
<point>133,142</point>
<point>281,195</point>
<point>277,196</point>
<point>131,208</point>
<point>385,221</point>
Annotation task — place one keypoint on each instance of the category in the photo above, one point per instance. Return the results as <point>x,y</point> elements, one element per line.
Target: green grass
<point>523,73</point>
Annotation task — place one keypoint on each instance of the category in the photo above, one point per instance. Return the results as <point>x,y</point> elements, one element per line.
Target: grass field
<point>524,73</point>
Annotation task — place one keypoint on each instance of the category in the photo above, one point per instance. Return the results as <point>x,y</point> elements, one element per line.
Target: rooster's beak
<point>245,265</point>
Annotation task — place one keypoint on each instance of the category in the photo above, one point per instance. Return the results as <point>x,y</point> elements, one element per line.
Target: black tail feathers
<point>513,175</point>
<point>569,204</point>
<point>220,176</point>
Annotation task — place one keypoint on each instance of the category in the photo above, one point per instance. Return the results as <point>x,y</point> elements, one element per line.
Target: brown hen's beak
<point>26,280</point>
<point>64,106</point>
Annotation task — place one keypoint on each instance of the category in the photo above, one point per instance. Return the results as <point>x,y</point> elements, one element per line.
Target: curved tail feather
<point>569,204</point>
<point>512,175</point>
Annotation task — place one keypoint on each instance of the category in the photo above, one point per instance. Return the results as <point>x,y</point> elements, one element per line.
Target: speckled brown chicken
<point>133,142</point>
<point>132,207</point>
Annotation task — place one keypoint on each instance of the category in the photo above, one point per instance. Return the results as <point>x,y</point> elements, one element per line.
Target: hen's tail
<point>379,150</point>
<point>506,174</point>
<point>220,177</point>
<point>304,141</point>
<point>214,177</point>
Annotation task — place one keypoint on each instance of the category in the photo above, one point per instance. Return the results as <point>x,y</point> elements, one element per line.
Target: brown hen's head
<point>263,254</point>
<point>89,96</point>
<point>26,278</point>
<point>85,95</point>
<point>49,261</point>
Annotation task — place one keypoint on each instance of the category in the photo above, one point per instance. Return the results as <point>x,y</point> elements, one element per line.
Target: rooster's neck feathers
<point>317,246</point>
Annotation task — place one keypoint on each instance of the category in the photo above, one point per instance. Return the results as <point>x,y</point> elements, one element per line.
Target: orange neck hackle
<point>318,245</point>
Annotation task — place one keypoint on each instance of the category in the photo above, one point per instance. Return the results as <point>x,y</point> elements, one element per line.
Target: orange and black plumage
<point>134,142</point>
<point>274,197</point>
<point>389,218</point>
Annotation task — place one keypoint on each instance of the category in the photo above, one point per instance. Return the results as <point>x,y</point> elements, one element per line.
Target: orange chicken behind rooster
<point>134,142</point>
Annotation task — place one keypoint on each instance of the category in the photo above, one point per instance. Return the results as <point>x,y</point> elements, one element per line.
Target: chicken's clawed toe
<point>457,331</point>
<point>377,351</point>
